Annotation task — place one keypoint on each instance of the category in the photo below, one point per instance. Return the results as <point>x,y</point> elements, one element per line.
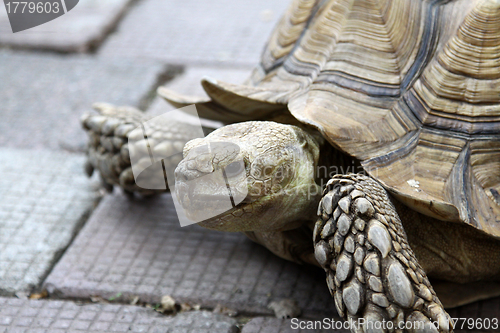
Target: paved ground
<point>275,325</point>
<point>45,199</point>
<point>54,316</point>
<point>79,30</point>
<point>188,83</point>
<point>137,248</point>
<point>56,90</point>
<point>222,32</point>
<point>55,235</point>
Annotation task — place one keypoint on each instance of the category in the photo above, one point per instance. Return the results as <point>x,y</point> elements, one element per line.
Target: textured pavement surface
<point>223,32</point>
<point>79,30</point>
<point>43,96</point>
<point>275,325</point>
<point>44,199</point>
<point>137,248</point>
<point>130,248</point>
<point>29,316</point>
<point>188,83</point>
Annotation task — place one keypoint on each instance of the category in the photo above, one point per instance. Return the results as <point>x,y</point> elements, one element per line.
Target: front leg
<point>372,272</point>
<point>111,132</point>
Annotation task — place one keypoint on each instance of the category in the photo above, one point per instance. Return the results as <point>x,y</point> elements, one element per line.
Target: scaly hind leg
<point>372,272</point>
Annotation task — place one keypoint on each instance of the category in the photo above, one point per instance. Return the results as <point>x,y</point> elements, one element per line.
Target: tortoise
<point>400,101</point>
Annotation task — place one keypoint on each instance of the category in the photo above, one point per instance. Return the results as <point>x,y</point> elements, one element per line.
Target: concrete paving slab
<point>44,96</point>
<point>136,247</point>
<point>191,31</point>
<point>53,316</point>
<point>188,83</point>
<point>79,30</point>
<point>275,325</point>
<point>480,316</point>
<point>45,199</point>
<point>484,312</point>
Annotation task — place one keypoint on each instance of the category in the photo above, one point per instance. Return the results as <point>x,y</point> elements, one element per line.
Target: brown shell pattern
<point>410,87</point>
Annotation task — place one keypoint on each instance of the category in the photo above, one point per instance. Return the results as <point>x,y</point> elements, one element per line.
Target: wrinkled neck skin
<point>270,169</point>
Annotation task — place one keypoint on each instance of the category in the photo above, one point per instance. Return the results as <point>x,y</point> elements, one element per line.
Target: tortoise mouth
<point>214,210</point>
<point>237,218</point>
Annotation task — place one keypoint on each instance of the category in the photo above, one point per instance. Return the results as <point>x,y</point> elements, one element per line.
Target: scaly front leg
<point>372,272</point>
<point>112,132</point>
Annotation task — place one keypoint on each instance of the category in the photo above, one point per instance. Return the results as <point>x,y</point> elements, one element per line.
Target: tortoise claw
<point>89,168</point>
<point>107,186</point>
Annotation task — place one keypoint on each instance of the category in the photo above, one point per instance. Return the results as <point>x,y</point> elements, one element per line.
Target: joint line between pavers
<point>59,254</point>
<point>164,172</point>
<point>64,6</point>
<point>168,73</point>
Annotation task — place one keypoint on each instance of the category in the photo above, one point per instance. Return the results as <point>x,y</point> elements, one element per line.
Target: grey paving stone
<point>275,325</point>
<point>79,30</point>
<point>477,313</point>
<point>52,316</point>
<point>191,31</point>
<point>44,96</point>
<point>188,83</point>
<point>44,198</point>
<point>136,247</point>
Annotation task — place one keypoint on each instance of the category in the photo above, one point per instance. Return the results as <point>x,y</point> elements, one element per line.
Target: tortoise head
<point>251,176</point>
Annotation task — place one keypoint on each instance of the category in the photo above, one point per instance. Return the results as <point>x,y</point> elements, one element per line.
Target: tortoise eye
<point>234,168</point>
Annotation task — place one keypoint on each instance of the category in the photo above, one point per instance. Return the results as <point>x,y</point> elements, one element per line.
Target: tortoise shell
<point>411,88</point>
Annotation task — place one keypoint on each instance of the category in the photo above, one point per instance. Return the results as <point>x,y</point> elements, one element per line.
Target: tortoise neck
<point>333,162</point>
